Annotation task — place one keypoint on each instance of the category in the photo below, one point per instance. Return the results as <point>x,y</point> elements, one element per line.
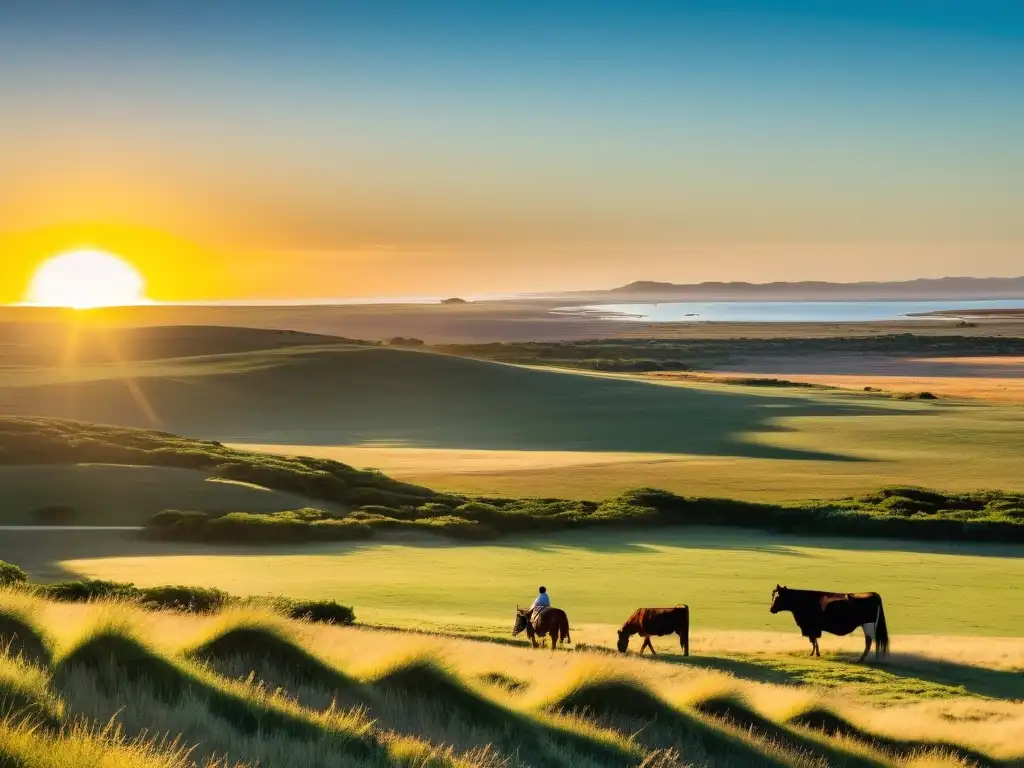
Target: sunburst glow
<point>86,280</point>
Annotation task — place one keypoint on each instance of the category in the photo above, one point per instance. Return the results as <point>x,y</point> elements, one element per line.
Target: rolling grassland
<point>110,685</point>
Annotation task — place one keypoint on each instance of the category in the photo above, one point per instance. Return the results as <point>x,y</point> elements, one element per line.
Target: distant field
<point>726,576</point>
<point>478,426</point>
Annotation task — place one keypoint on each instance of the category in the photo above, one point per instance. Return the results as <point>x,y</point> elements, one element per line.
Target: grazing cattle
<point>658,622</point>
<point>551,622</point>
<point>836,613</point>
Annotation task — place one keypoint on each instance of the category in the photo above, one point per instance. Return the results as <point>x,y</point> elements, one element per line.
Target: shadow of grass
<point>612,699</point>
<point>114,657</point>
<point>21,702</point>
<point>19,637</point>
<point>833,725</point>
<point>980,681</point>
<point>735,711</point>
<point>263,648</point>
<point>424,678</point>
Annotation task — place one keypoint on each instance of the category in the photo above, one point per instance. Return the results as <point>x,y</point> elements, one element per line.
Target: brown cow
<point>657,621</point>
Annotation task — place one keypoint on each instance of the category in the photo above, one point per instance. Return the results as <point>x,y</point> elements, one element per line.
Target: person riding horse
<point>541,604</point>
<point>542,620</point>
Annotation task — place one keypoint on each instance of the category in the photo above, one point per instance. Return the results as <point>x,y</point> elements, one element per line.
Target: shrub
<point>321,611</point>
<point>177,524</point>
<point>11,575</point>
<point>901,505</point>
<point>86,590</point>
<point>181,598</point>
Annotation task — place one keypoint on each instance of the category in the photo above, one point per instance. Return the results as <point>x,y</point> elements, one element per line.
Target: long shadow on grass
<point>980,681</point>
<point>259,648</point>
<point>423,678</point>
<point>736,712</point>
<point>342,397</point>
<point>622,699</point>
<point>949,678</point>
<point>114,657</point>
<point>832,724</point>
<point>281,662</point>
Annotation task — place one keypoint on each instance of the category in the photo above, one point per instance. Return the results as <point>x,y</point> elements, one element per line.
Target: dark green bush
<point>901,505</point>
<point>180,598</point>
<point>11,575</point>
<point>86,590</point>
<point>321,611</point>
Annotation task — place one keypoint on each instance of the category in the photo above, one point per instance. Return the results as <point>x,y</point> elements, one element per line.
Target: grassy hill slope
<point>338,394</point>
<point>91,494</point>
<point>483,427</point>
<point>247,688</point>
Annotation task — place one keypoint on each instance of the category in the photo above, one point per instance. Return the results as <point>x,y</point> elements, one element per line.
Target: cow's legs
<point>647,644</point>
<point>869,635</point>
<point>867,647</point>
<point>814,647</point>
<point>684,643</point>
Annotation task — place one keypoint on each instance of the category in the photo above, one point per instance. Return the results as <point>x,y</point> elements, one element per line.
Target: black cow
<point>836,613</point>
<point>657,621</point>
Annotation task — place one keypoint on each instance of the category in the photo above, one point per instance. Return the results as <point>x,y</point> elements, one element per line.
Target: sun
<point>86,279</point>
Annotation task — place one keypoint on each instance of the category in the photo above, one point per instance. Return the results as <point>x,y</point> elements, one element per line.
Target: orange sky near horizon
<point>178,269</point>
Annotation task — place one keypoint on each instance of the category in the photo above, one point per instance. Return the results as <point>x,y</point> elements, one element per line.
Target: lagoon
<point>783,311</point>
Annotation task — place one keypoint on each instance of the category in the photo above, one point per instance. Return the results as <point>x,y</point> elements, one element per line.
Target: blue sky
<point>527,145</point>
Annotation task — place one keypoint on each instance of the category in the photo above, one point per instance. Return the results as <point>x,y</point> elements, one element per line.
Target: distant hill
<point>923,289</point>
<point>63,344</point>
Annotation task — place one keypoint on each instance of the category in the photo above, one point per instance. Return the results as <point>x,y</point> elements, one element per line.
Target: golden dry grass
<point>525,688</point>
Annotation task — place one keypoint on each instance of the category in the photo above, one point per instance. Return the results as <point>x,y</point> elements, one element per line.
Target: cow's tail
<point>563,630</point>
<point>881,632</point>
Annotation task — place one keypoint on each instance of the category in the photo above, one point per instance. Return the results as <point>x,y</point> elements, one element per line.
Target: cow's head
<point>780,599</point>
<point>623,643</point>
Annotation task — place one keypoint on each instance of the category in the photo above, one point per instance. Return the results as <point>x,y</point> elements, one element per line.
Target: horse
<point>658,622</point>
<point>836,613</point>
<point>552,623</point>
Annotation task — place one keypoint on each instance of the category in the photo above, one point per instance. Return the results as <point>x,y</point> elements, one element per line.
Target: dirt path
<point>997,379</point>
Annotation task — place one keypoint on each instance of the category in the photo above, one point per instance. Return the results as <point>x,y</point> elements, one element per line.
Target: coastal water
<point>782,311</point>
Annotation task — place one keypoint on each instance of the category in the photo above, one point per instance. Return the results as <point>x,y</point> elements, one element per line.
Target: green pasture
<point>599,578</point>
<point>695,438</point>
<point>96,494</point>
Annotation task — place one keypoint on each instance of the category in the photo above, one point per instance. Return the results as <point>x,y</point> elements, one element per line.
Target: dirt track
<point>988,378</point>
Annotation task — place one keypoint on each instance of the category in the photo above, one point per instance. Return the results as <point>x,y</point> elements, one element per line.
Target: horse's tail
<point>563,629</point>
<point>881,632</point>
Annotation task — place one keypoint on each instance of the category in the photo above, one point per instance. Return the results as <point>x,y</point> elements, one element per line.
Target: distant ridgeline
<point>374,502</point>
<point>923,289</point>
